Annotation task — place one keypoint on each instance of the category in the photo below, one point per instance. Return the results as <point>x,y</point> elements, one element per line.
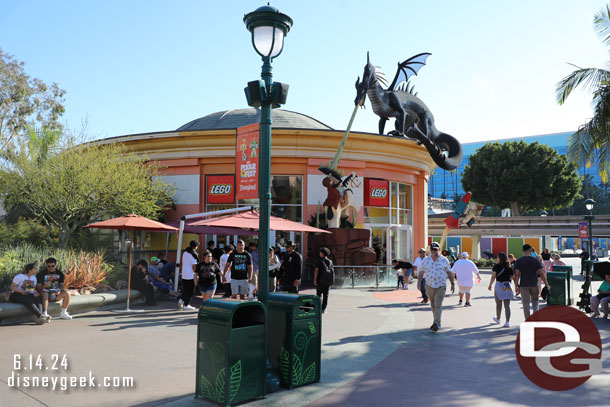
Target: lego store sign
<point>221,189</point>
<point>376,192</point>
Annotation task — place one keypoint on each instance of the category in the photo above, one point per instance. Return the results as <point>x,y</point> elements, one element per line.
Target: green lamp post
<point>589,204</point>
<point>268,27</point>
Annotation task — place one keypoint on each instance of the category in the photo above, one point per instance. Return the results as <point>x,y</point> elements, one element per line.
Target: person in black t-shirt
<point>503,274</point>
<point>527,271</point>
<point>207,272</point>
<point>323,276</point>
<point>240,263</point>
<point>51,288</point>
<point>292,264</point>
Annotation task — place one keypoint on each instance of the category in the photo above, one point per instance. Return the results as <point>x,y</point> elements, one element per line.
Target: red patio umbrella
<point>249,220</point>
<point>132,222</point>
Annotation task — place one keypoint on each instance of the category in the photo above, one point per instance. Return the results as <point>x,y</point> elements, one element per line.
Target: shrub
<point>81,268</point>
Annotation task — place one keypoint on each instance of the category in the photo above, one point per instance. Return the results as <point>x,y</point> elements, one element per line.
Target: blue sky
<point>142,66</point>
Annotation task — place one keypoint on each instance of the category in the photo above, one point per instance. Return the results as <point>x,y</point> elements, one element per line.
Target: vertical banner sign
<point>246,162</point>
<point>583,231</point>
<point>376,192</point>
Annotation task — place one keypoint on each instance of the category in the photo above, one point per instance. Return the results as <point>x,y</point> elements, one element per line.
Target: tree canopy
<point>76,184</point>
<point>521,176</point>
<point>591,143</point>
<point>25,101</point>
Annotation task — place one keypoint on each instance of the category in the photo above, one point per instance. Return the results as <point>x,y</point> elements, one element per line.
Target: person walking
<point>465,271</point>
<point>240,265</point>
<point>323,276</point>
<point>437,270</point>
<point>228,249</point>
<point>527,271</point>
<point>207,273</point>
<point>292,264</point>
<point>274,266</point>
<point>421,276</point>
<point>502,274</point>
<point>546,259</point>
<point>189,262</point>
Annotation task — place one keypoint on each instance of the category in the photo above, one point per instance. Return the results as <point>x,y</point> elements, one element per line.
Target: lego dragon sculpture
<point>413,118</point>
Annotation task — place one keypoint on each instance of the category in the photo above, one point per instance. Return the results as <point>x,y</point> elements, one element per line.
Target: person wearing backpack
<point>324,276</point>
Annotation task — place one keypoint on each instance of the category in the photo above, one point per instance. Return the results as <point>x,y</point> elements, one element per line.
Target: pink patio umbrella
<point>249,220</point>
<point>132,222</point>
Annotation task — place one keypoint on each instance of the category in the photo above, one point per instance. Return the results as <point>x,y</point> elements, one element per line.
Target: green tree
<point>25,101</point>
<point>521,176</point>
<point>591,143</point>
<point>78,184</point>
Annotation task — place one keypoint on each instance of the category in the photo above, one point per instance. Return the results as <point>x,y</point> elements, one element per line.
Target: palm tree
<point>591,143</point>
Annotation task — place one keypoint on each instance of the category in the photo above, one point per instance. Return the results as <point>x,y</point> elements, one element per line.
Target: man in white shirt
<point>421,277</point>
<point>437,269</point>
<point>465,271</point>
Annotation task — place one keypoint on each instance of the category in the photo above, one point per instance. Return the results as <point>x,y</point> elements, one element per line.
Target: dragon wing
<point>406,69</point>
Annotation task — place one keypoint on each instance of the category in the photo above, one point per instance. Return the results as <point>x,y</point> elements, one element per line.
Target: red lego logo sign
<point>221,189</point>
<point>376,192</point>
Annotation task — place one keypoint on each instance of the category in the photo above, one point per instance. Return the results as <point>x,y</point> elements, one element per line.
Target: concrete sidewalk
<point>377,350</point>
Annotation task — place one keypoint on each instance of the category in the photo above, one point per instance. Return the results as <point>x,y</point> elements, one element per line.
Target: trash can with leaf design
<point>295,340</point>
<point>231,363</point>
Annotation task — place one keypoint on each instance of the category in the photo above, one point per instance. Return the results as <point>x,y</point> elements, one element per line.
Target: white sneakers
<point>189,307</point>
<point>180,304</point>
<point>507,324</point>
<point>64,314</point>
<point>496,320</point>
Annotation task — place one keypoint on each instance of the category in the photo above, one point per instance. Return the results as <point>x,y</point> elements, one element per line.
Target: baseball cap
<point>422,250</point>
<point>288,243</point>
<point>154,258</point>
<point>434,245</point>
<point>465,255</point>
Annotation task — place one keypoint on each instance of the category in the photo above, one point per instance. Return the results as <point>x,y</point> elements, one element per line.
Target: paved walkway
<point>377,350</point>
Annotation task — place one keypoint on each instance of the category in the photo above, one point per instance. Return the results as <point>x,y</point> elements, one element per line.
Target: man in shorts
<point>240,264</point>
<point>465,271</point>
<point>51,288</point>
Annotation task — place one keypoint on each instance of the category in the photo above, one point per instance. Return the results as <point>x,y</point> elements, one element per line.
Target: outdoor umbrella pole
<point>129,270</point>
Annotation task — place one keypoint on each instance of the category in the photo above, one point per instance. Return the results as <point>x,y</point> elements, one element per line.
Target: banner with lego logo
<point>221,189</point>
<point>376,192</point>
<point>246,162</point>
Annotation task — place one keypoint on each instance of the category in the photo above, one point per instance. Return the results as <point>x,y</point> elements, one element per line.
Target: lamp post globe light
<point>589,204</point>
<point>268,28</point>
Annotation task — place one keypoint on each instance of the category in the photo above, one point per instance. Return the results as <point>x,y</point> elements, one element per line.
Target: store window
<point>286,203</point>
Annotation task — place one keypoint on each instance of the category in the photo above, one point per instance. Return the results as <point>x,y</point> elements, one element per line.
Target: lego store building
<point>390,190</point>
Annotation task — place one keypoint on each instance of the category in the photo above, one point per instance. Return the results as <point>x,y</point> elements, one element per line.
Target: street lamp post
<point>268,27</point>
<point>589,204</point>
<point>544,214</point>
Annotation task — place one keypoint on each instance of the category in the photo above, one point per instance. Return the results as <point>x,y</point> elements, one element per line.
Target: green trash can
<point>295,340</point>
<point>567,270</point>
<point>231,362</point>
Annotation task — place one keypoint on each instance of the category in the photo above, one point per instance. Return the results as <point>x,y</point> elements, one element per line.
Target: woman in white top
<point>274,265</point>
<point>23,291</point>
<point>189,262</point>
